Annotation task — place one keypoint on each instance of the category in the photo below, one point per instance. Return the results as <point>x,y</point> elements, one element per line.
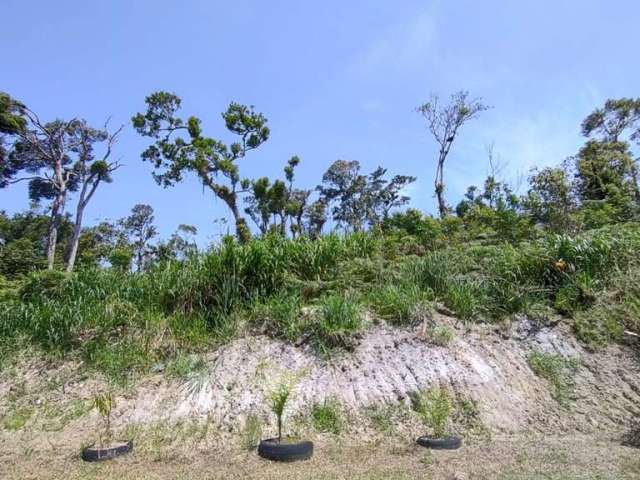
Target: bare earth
<point>507,458</point>
<point>193,428</point>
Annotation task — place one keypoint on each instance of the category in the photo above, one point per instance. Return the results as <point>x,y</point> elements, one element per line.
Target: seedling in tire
<point>278,448</point>
<point>434,407</point>
<point>106,448</point>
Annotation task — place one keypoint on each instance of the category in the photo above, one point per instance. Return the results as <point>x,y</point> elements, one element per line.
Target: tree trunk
<point>75,240</point>
<point>52,234</point>
<point>439,187</point>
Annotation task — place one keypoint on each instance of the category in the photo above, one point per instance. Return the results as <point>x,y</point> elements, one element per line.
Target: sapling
<point>104,403</point>
<point>278,399</point>
<point>434,407</point>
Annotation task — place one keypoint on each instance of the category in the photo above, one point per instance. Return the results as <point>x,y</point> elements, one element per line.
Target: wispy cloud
<point>402,47</point>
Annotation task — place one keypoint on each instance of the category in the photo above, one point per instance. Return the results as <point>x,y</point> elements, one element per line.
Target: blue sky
<point>336,79</point>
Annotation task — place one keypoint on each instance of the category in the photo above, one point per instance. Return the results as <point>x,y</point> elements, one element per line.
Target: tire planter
<point>272,449</point>
<point>98,454</point>
<point>440,443</point>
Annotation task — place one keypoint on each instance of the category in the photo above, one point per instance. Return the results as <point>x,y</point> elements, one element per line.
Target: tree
<point>215,163</point>
<point>443,123</point>
<point>550,199</point>
<point>361,200</point>
<point>344,186</point>
<point>90,171</point>
<point>314,218</point>
<point>44,151</point>
<point>606,178</point>
<point>12,121</point>
<point>140,229</point>
<point>611,122</point>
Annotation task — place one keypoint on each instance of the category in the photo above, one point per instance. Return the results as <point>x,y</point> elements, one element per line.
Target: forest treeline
<point>564,244</point>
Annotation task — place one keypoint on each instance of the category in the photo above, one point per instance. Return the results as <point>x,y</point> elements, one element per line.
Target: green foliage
<point>396,302</point>
<point>251,432</point>
<point>557,370</point>
<point>339,319</point>
<point>441,335</point>
<point>434,406</point>
<point>279,396</point>
<point>104,404</point>
<point>327,417</point>
<point>280,315</point>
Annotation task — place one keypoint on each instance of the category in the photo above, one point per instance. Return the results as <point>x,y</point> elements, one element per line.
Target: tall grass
<point>126,321</point>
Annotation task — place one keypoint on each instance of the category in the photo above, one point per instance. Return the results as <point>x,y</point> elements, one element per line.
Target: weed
<point>557,370</point>
<point>396,303</point>
<point>17,419</point>
<point>441,335</point>
<point>251,432</point>
<point>327,417</point>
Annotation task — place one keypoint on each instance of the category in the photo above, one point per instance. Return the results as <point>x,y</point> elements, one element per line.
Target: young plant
<point>104,403</point>
<point>278,398</point>
<point>434,407</point>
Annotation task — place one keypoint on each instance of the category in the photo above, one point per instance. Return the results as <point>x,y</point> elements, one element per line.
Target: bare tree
<point>90,172</point>
<point>443,123</point>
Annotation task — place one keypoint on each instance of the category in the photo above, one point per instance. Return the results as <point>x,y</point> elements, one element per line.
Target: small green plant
<point>104,403</point>
<point>557,370</point>
<point>278,398</point>
<point>327,417</point>
<point>441,335</point>
<point>434,406</point>
<point>251,432</point>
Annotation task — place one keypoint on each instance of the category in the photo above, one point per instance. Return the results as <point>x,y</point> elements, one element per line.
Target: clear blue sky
<point>336,79</point>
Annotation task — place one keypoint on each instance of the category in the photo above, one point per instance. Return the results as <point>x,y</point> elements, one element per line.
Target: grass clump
<point>441,335</point>
<point>280,316</point>
<point>397,303</point>
<point>251,432</point>
<point>434,406</point>
<point>557,370</point>
<point>338,320</point>
<point>326,417</point>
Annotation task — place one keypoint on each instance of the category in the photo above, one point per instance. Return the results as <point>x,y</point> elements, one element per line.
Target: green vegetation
<point>251,433</point>
<point>557,370</point>
<point>124,302</point>
<point>434,406</point>
<point>326,417</point>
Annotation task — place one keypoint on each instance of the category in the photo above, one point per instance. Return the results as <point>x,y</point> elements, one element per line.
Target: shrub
<point>327,417</point>
<point>434,406</point>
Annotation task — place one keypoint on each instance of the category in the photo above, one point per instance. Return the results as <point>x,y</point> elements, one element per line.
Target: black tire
<point>285,452</point>
<point>95,454</point>
<point>444,443</point>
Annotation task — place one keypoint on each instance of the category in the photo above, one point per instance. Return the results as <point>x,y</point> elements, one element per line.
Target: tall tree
<point>444,123</point>
<point>215,163</point>
<point>140,229</point>
<point>550,199</point>
<point>90,171</point>
<point>46,152</point>
<point>12,121</point>
<point>610,124</point>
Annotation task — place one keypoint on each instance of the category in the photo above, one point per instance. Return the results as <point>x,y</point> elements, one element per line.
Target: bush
<point>434,406</point>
